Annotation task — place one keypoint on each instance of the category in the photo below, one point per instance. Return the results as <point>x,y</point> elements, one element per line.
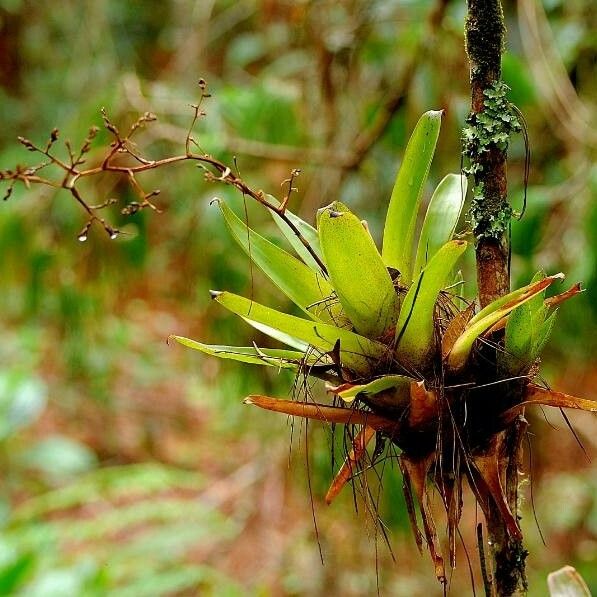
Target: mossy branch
<point>485,142</point>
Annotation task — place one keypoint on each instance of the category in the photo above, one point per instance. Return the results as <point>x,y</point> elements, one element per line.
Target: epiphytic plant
<point>406,359</point>
<point>393,341</point>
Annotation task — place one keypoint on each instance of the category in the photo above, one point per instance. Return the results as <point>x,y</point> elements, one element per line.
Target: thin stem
<point>122,146</point>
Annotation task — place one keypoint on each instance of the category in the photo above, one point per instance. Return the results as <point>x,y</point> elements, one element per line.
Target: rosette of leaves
<point>405,358</point>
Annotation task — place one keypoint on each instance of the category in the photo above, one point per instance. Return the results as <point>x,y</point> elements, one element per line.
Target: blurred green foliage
<point>110,439</point>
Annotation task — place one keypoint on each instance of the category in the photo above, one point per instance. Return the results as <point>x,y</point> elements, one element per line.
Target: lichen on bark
<point>485,149</point>
<point>485,142</point>
<point>488,132</point>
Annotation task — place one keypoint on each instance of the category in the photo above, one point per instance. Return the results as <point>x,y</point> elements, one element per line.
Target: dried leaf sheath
<point>321,412</point>
<point>351,464</point>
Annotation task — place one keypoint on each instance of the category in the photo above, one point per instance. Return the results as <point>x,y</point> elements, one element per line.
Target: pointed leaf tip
<point>215,293</point>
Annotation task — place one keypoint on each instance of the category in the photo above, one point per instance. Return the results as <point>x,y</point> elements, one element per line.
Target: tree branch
<point>485,143</point>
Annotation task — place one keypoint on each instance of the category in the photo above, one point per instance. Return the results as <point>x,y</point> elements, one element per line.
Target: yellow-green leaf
<point>406,196</point>
<point>358,274</point>
<point>356,352</point>
<point>441,218</point>
<point>415,335</point>
<point>348,392</point>
<point>285,359</point>
<point>303,286</point>
<point>307,231</point>
<point>458,356</point>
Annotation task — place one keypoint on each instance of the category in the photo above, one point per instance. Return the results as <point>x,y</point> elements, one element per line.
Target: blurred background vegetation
<point>130,467</point>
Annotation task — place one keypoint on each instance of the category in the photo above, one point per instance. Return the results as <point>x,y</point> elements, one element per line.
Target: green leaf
<point>495,311</point>
<point>415,329</point>
<point>304,287</point>
<point>406,196</point>
<point>518,353</point>
<point>523,330</point>
<point>441,218</point>
<point>544,334</point>
<point>356,352</point>
<point>273,357</point>
<point>307,231</point>
<point>358,274</point>
<point>349,392</point>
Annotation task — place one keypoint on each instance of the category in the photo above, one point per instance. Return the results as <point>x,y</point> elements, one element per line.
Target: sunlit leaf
<point>406,196</point>
<point>415,327</point>
<point>356,352</point>
<point>441,218</point>
<point>358,274</point>
<point>306,288</point>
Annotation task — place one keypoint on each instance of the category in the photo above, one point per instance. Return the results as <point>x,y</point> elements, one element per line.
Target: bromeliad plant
<point>405,358</point>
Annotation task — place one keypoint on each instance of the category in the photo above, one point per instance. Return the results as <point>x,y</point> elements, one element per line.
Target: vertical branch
<point>484,36</point>
<point>485,143</point>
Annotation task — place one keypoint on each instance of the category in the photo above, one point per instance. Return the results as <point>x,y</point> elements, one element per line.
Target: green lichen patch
<point>490,128</point>
<point>488,223</point>
<point>485,132</point>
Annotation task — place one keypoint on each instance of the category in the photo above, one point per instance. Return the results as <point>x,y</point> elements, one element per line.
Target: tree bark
<point>485,32</point>
<point>490,217</point>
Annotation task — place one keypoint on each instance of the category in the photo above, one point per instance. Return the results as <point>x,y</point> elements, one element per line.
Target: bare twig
<point>114,161</point>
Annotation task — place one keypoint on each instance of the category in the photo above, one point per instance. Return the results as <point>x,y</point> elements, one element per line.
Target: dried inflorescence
<point>123,158</point>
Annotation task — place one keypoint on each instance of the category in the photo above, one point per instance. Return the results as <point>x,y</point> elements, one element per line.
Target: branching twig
<point>114,161</point>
